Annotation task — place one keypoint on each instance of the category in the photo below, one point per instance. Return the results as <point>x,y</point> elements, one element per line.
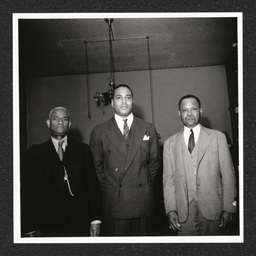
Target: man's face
<point>122,101</point>
<point>190,112</point>
<point>59,122</point>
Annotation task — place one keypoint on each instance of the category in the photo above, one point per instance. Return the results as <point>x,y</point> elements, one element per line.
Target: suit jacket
<point>126,177</point>
<point>216,190</point>
<point>47,203</point>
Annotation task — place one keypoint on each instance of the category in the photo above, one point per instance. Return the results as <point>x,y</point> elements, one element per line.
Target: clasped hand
<point>95,230</point>
<point>173,220</point>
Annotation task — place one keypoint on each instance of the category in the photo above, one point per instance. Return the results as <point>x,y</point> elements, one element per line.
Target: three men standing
<point>60,195</point>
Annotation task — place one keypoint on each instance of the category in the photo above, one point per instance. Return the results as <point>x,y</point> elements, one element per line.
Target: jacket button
<point>116,169</point>
<point>140,185</point>
<point>109,152</point>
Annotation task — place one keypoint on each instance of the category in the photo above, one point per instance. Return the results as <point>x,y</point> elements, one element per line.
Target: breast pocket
<point>144,148</point>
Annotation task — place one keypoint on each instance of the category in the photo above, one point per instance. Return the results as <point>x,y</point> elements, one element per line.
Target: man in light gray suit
<point>126,154</point>
<point>198,176</point>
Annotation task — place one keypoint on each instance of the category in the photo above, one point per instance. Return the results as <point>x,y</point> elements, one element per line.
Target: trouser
<point>197,225</point>
<point>127,227</point>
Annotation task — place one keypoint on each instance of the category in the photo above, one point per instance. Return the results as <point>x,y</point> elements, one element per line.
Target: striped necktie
<point>60,150</point>
<point>125,129</point>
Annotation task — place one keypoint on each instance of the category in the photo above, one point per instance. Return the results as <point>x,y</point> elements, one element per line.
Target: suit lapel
<point>52,161</point>
<point>70,154</point>
<point>180,159</point>
<point>69,159</point>
<point>115,136</point>
<point>50,152</point>
<point>138,131</point>
<point>204,141</point>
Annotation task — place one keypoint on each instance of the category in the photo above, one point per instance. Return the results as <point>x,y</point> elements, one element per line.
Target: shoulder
<point>141,122</point>
<point>79,149</point>
<point>39,147</point>
<point>174,138</point>
<point>72,142</point>
<point>212,132</point>
<point>37,151</point>
<point>104,125</point>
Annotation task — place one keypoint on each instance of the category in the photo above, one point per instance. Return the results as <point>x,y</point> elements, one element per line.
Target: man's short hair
<point>62,108</point>
<point>122,85</point>
<point>188,96</point>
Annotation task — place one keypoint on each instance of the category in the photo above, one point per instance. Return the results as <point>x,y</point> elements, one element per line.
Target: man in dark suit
<point>198,177</point>
<point>59,187</point>
<point>127,159</point>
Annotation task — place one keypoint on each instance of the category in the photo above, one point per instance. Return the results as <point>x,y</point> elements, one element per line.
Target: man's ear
<point>179,112</point>
<point>48,123</point>
<point>69,124</point>
<point>201,111</point>
<point>112,104</point>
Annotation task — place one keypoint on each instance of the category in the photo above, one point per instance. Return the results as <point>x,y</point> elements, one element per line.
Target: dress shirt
<point>187,132</point>
<point>56,143</point>
<point>120,121</point>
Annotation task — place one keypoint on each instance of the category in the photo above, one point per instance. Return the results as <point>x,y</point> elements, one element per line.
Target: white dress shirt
<point>187,132</point>
<point>120,121</point>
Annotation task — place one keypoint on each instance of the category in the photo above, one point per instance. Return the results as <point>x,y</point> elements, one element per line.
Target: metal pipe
<point>87,84</point>
<point>116,39</point>
<point>150,83</point>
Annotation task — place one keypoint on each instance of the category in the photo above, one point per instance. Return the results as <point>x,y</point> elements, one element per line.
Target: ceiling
<point>57,46</point>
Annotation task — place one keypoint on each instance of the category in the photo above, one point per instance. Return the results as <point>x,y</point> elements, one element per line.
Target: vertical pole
<point>87,84</point>
<point>150,83</point>
<point>111,37</point>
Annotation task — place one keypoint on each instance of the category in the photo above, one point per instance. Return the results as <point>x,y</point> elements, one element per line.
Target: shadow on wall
<point>206,122</point>
<point>76,134</point>
<point>138,112</point>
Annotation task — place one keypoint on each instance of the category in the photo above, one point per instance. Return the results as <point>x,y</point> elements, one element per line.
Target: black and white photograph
<point>128,127</point>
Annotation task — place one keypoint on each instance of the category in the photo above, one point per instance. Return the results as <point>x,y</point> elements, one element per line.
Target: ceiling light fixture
<point>104,99</point>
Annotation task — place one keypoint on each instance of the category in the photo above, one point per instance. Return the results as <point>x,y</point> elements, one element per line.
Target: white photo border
<point>16,133</point>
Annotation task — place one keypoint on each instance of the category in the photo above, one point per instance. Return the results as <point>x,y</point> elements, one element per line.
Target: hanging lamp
<point>104,99</point>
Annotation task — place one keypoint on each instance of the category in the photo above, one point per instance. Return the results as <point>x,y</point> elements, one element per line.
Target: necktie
<point>191,142</point>
<point>60,150</point>
<point>126,129</point>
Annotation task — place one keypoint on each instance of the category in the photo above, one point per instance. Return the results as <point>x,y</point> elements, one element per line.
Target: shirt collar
<point>120,121</point>
<point>56,142</point>
<point>196,129</point>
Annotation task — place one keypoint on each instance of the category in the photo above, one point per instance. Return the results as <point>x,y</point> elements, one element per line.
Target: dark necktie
<point>60,150</point>
<point>191,142</point>
<point>125,129</point>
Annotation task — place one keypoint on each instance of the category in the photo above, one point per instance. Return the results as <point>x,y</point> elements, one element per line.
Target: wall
<point>208,83</point>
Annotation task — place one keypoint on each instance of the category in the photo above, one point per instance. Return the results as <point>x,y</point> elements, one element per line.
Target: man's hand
<point>95,229</point>
<point>226,217</point>
<point>173,220</point>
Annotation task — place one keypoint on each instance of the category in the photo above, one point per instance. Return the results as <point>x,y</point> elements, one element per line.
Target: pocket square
<point>146,137</point>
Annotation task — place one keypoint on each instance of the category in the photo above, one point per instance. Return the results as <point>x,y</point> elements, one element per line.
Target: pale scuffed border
<point>16,146</point>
